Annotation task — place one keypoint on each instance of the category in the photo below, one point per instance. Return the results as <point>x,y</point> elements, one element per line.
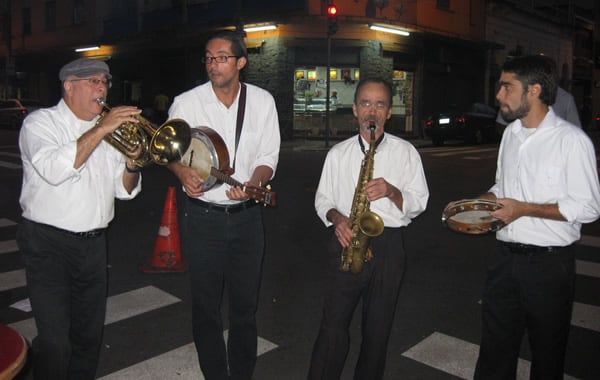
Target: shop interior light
<point>87,48</point>
<point>388,29</point>
<point>258,28</point>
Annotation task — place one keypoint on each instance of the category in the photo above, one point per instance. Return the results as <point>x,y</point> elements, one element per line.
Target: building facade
<point>449,58</point>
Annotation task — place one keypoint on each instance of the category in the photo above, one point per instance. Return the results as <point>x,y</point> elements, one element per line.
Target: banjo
<point>471,216</point>
<point>208,155</point>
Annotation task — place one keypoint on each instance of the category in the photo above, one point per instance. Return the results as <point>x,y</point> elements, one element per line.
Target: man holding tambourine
<point>546,187</point>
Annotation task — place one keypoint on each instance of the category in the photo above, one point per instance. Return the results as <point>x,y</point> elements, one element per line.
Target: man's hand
<point>117,116</point>
<point>342,227</point>
<point>189,178</point>
<point>236,193</point>
<point>509,211</point>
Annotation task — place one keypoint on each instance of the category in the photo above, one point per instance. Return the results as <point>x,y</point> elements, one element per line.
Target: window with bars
<point>443,4</point>
<point>26,21</point>
<point>50,15</point>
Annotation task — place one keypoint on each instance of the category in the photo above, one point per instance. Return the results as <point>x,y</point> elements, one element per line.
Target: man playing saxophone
<point>397,192</point>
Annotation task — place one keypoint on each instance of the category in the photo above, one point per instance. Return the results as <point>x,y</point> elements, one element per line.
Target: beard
<point>511,115</point>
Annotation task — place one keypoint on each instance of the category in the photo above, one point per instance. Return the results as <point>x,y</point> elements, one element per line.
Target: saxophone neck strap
<point>362,145</point>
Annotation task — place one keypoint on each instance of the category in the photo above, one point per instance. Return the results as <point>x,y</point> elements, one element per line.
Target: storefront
<point>310,94</point>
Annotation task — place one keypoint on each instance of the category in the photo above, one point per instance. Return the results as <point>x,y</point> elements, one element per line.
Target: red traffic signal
<point>332,11</point>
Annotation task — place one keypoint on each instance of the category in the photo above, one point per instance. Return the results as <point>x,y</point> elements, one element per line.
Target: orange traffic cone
<point>167,250</point>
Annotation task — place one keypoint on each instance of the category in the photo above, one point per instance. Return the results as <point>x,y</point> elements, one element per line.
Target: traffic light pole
<point>328,75</point>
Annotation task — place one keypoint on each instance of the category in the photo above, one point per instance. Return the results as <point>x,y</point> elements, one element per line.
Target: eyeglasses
<point>218,59</point>
<point>95,81</point>
<point>369,104</point>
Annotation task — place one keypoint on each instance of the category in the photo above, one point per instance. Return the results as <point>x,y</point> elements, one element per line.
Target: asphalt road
<point>436,329</point>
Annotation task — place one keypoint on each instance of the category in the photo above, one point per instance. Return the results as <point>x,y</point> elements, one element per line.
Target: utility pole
<point>332,26</point>
<point>9,63</point>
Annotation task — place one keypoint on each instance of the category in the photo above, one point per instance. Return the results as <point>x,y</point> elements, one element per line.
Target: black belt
<point>85,235</point>
<point>228,209</point>
<point>525,249</point>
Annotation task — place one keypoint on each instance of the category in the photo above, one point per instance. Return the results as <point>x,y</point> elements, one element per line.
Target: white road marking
<point>13,279</point>
<point>180,363</point>
<point>118,307</point>
<point>455,356</point>
<point>7,222</point>
<point>8,246</point>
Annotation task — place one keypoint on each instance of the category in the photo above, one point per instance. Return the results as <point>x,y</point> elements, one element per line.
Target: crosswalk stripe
<point>6,222</point>
<point>455,356</point>
<point>587,268</point>
<point>118,307</point>
<point>8,246</point>
<point>13,279</point>
<point>10,165</point>
<point>479,157</point>
<point>591,241</point>
<point>586,316</point>
<point>10,154</point>
<point>180,363</point>
<point>469,151</point>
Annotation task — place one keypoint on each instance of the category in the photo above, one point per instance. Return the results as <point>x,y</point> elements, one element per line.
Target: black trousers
<point>66,281</point>
<point>526,291</point>
<point>378,286</point>
<point>225,251</point>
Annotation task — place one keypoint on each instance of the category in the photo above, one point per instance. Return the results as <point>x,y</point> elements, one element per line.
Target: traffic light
<point>332,21</point>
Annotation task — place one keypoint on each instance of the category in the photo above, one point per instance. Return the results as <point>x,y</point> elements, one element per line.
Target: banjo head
<point>203,155</point>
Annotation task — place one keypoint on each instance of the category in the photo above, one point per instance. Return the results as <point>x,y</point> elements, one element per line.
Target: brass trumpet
<point>161,145</point>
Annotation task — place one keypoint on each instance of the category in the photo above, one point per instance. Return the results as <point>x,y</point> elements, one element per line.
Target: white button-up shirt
<point>259,140</point>
<point>554,164</point>
<point>54,192</point>
<point>396,160</point>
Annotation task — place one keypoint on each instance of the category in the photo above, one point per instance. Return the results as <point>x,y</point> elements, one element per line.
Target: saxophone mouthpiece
<point>101,101</point>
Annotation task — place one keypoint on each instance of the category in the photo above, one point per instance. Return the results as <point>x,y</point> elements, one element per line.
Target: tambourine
<point>472,216</point>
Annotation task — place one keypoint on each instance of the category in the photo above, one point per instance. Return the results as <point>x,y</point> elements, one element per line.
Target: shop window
<point>443,4</point>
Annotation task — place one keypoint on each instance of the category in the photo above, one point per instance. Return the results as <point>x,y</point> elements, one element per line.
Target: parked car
<point>476,125</point>
<point>13,111</point>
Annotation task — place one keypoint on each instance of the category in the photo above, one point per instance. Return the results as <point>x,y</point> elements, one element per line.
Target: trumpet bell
<point>170,141</point>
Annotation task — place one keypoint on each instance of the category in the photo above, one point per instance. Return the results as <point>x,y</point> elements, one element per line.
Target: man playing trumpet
<point>70,180</point>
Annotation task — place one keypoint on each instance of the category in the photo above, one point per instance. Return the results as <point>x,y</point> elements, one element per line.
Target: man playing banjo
<point>222,229</point>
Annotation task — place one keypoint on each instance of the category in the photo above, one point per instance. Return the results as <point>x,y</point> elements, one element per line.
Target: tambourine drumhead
<point>202,155</point>
<point>472,216</point>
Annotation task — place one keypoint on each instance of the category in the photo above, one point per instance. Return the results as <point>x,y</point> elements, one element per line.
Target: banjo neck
<point>222,177</point>
<point>259,194</point>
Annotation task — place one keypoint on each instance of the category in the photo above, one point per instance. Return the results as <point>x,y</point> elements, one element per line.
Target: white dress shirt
<point>554,164</point>
<point>396,160</point>
<point>259,140</point>
<point>54,192</point>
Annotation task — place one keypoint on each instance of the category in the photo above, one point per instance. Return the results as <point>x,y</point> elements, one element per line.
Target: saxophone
<point>363,222</point>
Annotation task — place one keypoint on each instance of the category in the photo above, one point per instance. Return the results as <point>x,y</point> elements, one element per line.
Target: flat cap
<point>84,67</point>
